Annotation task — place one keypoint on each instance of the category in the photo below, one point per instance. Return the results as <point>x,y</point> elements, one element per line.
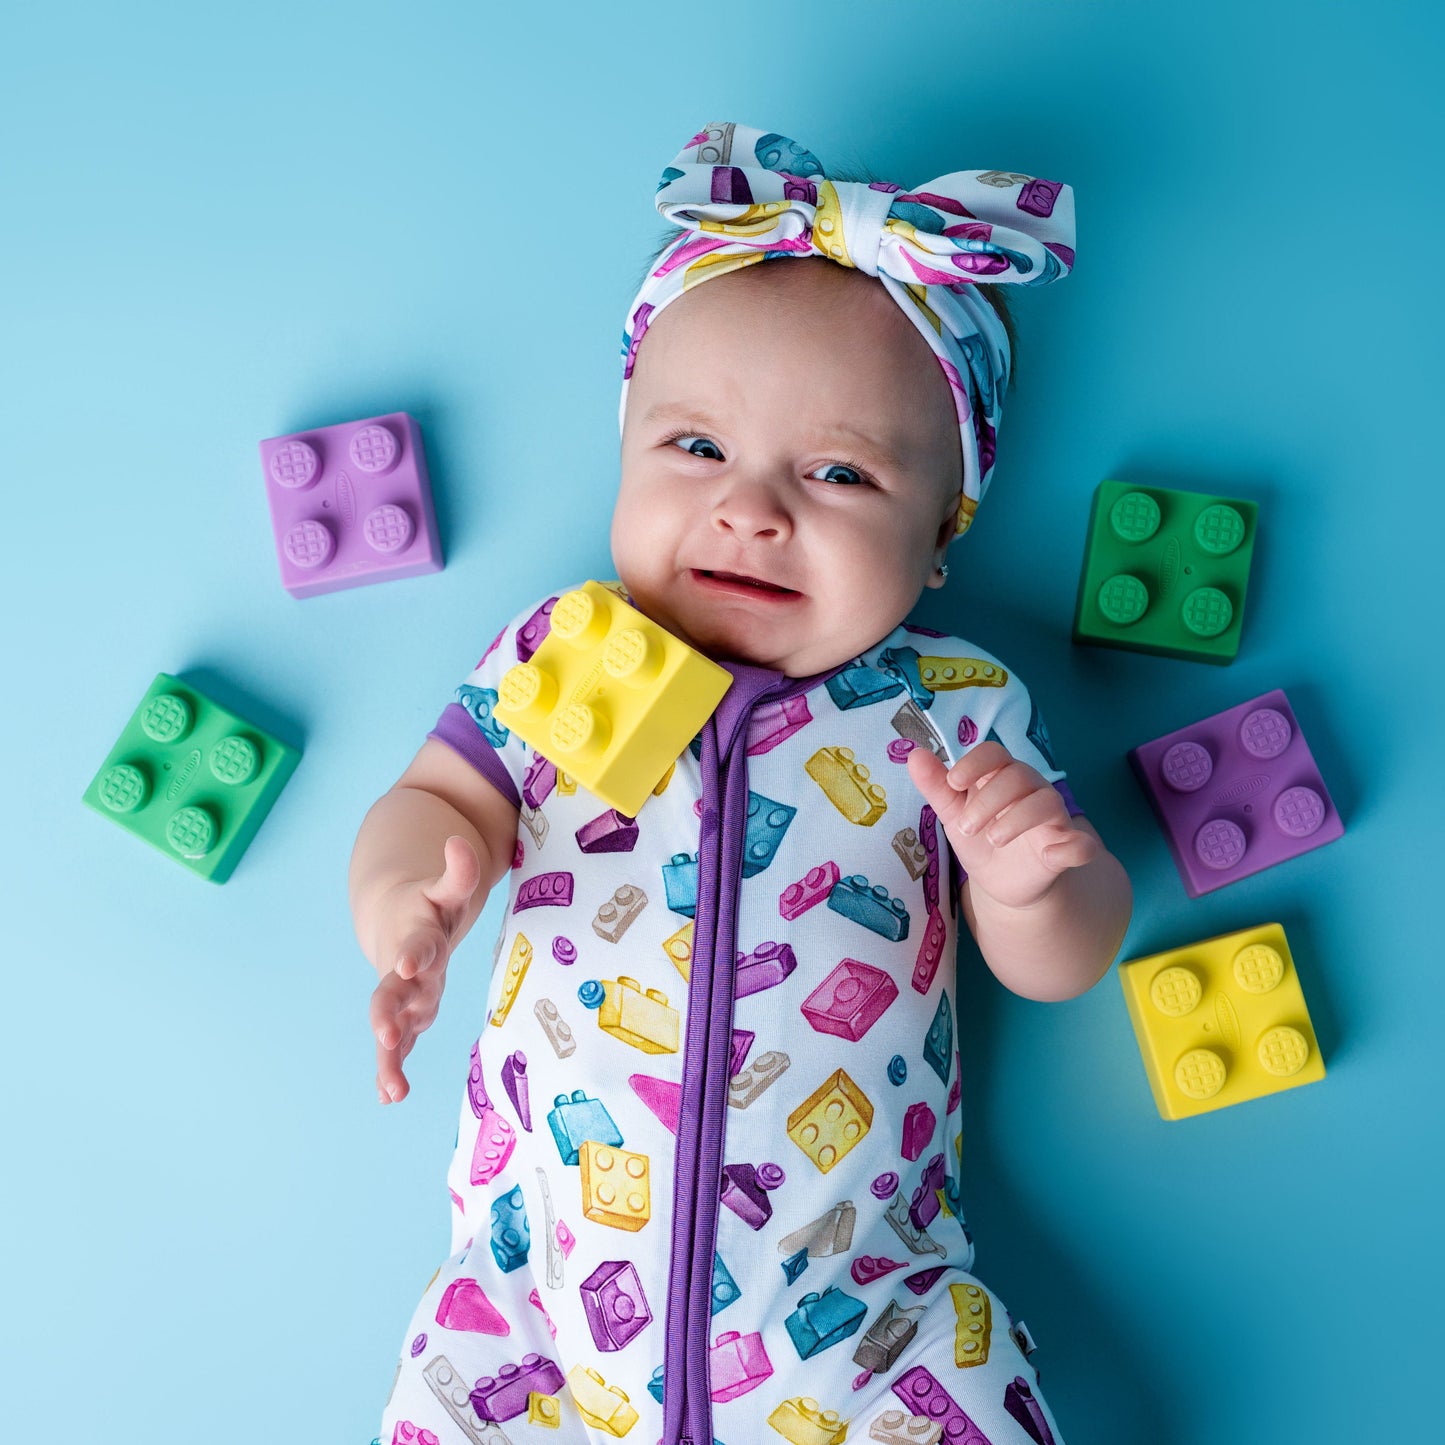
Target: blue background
<point>223,226</point>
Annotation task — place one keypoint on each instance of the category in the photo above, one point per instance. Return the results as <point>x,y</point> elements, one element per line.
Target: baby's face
<point>785,423</point>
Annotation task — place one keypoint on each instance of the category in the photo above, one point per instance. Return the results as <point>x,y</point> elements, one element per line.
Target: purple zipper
<point>687,1397</point>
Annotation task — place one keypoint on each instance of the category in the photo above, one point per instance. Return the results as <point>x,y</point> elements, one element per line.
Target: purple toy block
<point>505,1396</point>
<point>615,1305</point>
<point>532,633</point>
<point>476,1088</point>
<point>351,504</point>
<point>736,1364</point>
<point>809,891</point>
<point>1236,793</point>
<point>514,1081</point>
<point>545,890</point>
<point>765,967</point>
<point>927,821</point>
<point>745,1196</point>
<point>1019,1401</point>
<point>923,1395</point>
<point>742,1042</point>
<point>924,1280</point>
<point>852,998</point>
<point>930,950</point>
<point>775,722</point>
<point>924,1207</point>
<point>1038,197</point>
<point>538,781</point>
<point>609,832</point>
<point>868,1267</point>
<point>918,1126</point>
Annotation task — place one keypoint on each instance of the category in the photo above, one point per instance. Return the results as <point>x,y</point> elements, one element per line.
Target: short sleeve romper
<point>706,1181</point>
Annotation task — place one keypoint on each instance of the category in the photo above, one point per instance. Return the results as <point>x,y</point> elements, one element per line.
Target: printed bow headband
<point>744,195</point>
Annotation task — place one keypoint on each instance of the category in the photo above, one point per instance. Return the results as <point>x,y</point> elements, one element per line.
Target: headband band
<point>743,195</point>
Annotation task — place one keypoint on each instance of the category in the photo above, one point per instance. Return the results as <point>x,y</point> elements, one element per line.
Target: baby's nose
<point>752,507</point>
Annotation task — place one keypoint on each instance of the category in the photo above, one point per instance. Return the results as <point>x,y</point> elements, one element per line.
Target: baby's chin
<point>737,635</point>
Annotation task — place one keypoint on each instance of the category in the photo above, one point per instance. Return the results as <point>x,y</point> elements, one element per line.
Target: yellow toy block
<point>948,674</point>
<point>601,1405</point>
<point>831,1120</point>
<point>609,696</point>
<point>847,786</point>
<point>678,947</point>
<point>616,1186</point>
<point>517,962</point>
<point>804,1423</point>
<point>974,1329</point>
<point>543,1410</point>
<point>566,784</point>
<point>644,1020</point>
<point>1221,1021</point>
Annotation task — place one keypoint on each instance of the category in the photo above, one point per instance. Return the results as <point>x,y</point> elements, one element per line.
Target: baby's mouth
<point>739,579</point>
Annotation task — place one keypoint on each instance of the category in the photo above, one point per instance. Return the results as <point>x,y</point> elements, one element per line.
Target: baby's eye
<point>689,437</point>
<point>856,479</point>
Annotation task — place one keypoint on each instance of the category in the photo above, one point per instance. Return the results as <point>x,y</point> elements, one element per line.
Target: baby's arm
<point>428,853</point>
<point>1046,902</point>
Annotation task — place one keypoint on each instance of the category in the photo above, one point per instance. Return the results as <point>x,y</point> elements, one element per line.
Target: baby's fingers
<point>1077,849</point>
<point>419,950</point>
<point>930,777</point>
<point>395,1034</point>
<point>460,875</point>
<point>1033,810</point>
<point>391,1083</point>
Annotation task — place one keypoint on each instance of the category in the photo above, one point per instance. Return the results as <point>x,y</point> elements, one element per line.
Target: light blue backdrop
<point>225,224</point>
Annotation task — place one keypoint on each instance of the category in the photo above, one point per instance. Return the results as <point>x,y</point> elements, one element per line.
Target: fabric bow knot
<point>743,195</point>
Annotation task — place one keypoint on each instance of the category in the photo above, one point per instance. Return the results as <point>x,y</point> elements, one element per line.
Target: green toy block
<point>192,778</point>
<point>1165,572</point>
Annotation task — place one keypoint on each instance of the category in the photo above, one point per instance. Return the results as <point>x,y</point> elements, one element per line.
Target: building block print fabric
<point>820,1139</point>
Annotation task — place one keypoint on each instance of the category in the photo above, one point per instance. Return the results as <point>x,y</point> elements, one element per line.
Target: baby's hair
<point>994,295</point>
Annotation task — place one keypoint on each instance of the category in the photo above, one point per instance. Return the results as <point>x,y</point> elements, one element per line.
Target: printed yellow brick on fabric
<point>1221,1021</point>
<point>517,962</point>
<point>831,1120</point>
<point>616,1185</point>
<point>601,1405</point>
<point>845,782</point>
<point>974,1327</point>
<point>678,947</point>
<point>804,1422</point>
<point>543,1410</point>
<point>947,674</point>
<point>643,1019</point>
<point>610,696</point>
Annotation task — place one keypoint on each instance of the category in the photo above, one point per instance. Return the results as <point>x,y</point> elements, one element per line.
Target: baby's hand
<point>1007,825</point>
<point>418,924</point>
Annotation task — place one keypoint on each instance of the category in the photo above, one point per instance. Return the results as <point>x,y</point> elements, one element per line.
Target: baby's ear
<point>949,525</point>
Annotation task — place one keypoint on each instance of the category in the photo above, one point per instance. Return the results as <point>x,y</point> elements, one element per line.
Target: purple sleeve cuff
<point>458,730</point>
<point>1068,797</point>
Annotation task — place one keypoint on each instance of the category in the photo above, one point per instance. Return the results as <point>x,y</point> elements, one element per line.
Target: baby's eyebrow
<point>852,438</point>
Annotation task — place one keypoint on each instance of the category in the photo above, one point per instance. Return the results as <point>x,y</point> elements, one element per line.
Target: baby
<point>708,1169</point>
